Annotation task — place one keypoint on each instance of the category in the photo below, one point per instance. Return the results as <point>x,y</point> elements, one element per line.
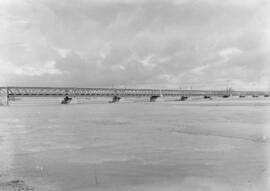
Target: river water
<point>213,145</point>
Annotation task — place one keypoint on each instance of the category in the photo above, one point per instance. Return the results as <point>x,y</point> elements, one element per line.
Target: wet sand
<point>194,145</point>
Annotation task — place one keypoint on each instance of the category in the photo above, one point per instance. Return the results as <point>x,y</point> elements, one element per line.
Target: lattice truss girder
<point>101,92</point>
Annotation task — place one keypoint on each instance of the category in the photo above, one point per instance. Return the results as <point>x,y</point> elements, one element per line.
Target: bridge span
<point>116,93</point>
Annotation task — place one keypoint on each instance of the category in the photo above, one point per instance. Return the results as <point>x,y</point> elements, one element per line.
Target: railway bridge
<point>9,93</point>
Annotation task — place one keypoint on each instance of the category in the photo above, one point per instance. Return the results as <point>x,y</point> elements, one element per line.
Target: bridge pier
<point>66,100</point>
<point>115,99</point>
<point>183,98</point>
<point>207,97</point>
<point>154,98</point>
<point>7,100</point>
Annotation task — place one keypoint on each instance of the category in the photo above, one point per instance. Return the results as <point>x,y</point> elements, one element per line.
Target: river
<point>209,145</point>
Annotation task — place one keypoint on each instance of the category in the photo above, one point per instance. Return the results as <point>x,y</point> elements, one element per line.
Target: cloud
<point>47,68</point>
<point>199,43</point>
<point>226,53</point>
<point>118,67</point>
<point>62,52</point>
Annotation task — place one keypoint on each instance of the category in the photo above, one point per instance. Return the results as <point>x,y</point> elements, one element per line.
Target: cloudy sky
<point>199,44</point>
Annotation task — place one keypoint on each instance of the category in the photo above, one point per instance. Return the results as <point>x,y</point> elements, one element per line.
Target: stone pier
<point>115,99</point>
<point>154,98</point>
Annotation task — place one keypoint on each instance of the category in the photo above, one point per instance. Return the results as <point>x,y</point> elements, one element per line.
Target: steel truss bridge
<point>117,93</point>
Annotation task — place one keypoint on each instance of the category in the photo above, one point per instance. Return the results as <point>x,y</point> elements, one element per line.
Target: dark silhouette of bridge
<point>118,93</point>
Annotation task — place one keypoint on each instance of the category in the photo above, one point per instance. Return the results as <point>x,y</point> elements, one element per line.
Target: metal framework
<point>120,92</point>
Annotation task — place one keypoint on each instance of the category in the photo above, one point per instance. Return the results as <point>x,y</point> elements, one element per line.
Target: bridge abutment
<point>4,97</point>
<point>4,101</point>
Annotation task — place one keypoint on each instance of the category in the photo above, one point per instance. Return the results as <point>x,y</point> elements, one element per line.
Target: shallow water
<point>194,145</point>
